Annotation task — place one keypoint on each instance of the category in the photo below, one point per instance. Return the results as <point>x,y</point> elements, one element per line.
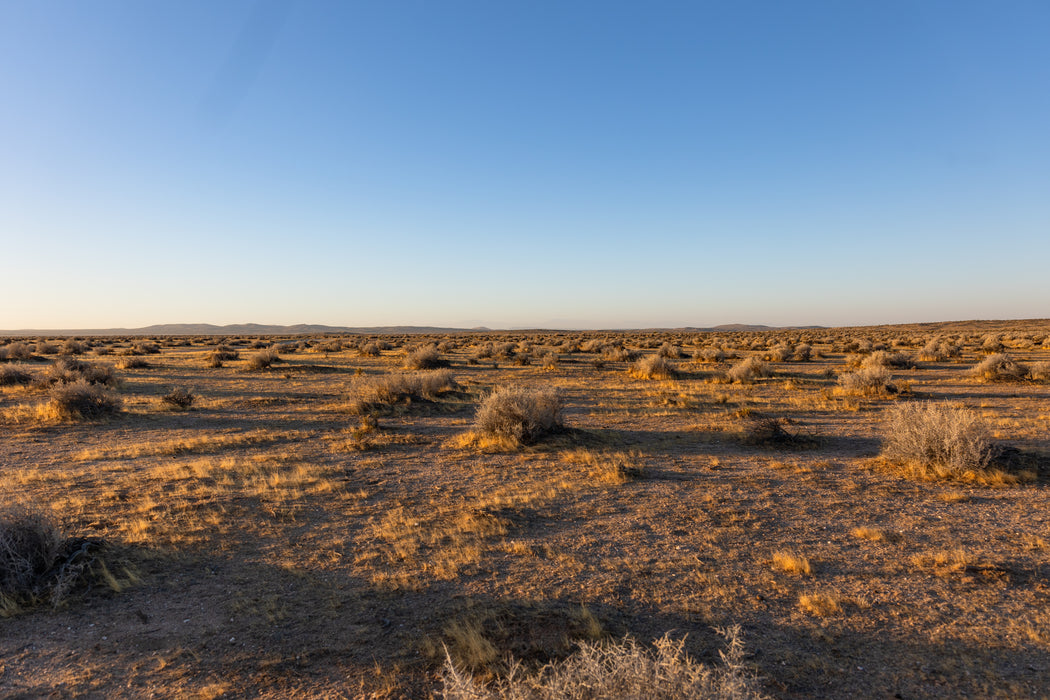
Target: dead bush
<point>999,368</point>
<point>15,351</point>
<point>68,370</point>
<point>80,400</point>
<point>1040,371</point>
<point>521,414</point>
<point>618,670</point>
<point>748,370</point>
<point>38,564</point>
<point>710,355</point>
<point>369,394</point>
<point>653,367</point>
<point>937,440</point>
<point>426,357</point>
<point>13,375</point>
<point>868,381</point>
<point>669,351</point>
<point>179,398</point>
<point>263,359</point>
<point>132,362</point>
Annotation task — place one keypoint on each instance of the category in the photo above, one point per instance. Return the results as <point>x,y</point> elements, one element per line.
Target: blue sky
<point>583,164</point>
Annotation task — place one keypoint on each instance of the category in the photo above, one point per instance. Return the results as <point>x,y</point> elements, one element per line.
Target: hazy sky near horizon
<point>523,163</point>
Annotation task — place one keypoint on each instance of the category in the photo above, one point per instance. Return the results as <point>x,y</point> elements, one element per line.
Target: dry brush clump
<point>426,357</point>
<point>179,398</point>
<point>70,370</point>
<point>79,400</point>
<point>263,359</point>
<point>17,351</point>
<point>520,414</point>
<point>38,564</point>
<point>653,367</point>
<point>999,367</point>
<point>941,441</point>
<point>372,393</point>
<point>15,375</point>
<point>748,370</point>
<point>621,670</point>
<point>867,381</point>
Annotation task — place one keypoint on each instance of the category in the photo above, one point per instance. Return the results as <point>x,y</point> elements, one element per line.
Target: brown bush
<point>999,368</point>
<point>653,367</point>
<point>426,357</point>
<point>747,370</point>
<point>378,392</point>
<point>80,400</point>
<point>520,414</point>
<point>12,375</point>
<point>938,440</point>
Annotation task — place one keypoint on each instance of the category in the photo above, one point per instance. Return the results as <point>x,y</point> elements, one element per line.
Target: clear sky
<point>523,163</point>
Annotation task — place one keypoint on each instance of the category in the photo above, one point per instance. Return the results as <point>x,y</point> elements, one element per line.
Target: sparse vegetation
<point>344,504</point>
<point>653,367</point>
<point>748,370</point>
<point>623,670</point>
<point>520,414</point>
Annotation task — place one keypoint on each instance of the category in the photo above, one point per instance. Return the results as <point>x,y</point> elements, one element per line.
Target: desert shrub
<point>867,381</point>
<point>992,344</point>
<point>653,367</point>
<point>747,370</point>
<point>618,670</point>
<point>549,361</point>
<point>938,440</point>
<point>145,348</point>
<point>939,350</point>
<point>132,362</point>
<point>426,357</point>
<point>15,351</point>
<point>1040,371</point>
<point>68,370</point>
<point>179,398</point>
<point>73,347</point>
<point>520,414</point>
<point>263,359</point>
<point>329,346</point>
<point>12,375</point>
<point>771,431</point>
<point>803,352</point>
<point>999,368</point>
<point>220,354</point>
<point>80,400</point>
<point>46,349</point>
<point>710,355</point>
<point>669,351</point>
<point>780,353</point>
<point>882,358</point>
<point>617,353</point>
<point>368,394</point>
<point>38,564</point>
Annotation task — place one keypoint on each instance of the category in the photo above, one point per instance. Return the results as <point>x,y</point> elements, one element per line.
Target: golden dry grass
<point>270,543</point>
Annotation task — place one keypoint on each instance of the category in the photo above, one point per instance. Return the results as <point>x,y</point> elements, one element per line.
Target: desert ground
<point>337,517</point>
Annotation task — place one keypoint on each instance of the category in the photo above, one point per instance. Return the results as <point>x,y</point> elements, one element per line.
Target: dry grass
<point>340,552</point>
<point>622,671</point>
<point>792,563</point>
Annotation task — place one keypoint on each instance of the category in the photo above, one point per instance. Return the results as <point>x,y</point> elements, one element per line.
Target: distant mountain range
<point>317,329</point>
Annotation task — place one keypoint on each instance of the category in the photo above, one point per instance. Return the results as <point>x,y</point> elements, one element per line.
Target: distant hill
<point>242,329</point>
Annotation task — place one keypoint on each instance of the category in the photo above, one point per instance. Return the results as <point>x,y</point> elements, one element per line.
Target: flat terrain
<point>280,536</point>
